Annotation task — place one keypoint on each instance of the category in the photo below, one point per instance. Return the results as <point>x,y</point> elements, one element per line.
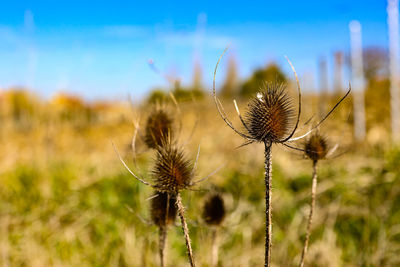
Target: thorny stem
<point>268,226</point>
<point>181,212</point>
<point>313,192</point>
<point>214,248</point>
<point>162,235</point>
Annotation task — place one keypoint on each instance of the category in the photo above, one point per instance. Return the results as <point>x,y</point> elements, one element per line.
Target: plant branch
<point>181,212</point>
<point>129,170</point>
<point>310,216</point>
<point>268,226</point>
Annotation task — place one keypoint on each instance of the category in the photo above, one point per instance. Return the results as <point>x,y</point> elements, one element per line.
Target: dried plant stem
<point>313,192</point>
<point>268,226</point>
<point>162,237</point>
<point>214,247</point>
<point>181,212</point>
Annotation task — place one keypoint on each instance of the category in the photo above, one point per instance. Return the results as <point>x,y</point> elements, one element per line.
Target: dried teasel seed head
<point>172,171</point>
<point>316,147</point>
<point>158,129</point>
<point>214,210</point>
<point>270,114</point>
<point>159,214</point>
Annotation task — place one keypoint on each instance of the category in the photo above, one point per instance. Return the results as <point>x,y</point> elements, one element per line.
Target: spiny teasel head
<point>270,114</point>
<point>159,214</point>
<point>172,171</point>
<point>316,147</point>
<point>214,210</point>
<point>158,129</point>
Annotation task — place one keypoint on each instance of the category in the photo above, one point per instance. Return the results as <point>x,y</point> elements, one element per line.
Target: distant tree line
<point>231,86</point>
<point>375,71</point>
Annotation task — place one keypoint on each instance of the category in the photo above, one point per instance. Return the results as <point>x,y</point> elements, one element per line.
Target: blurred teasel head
<point>214,210</point>
<point>270,114</point>
<point>316,147</point>
<point>158,129</point>
<point>172,171</point>
<point>160,215</point>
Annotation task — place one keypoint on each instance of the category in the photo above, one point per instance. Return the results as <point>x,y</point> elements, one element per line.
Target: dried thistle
<point>158,129</point>
<point>270,114</point>
<point>316,147</point>
<point>214,210</point>
<point>172,171</point>
<point>269,118</point>
<point>213,215</point>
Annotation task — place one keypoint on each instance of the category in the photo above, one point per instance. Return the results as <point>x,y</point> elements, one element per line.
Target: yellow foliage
<point>68,102</point>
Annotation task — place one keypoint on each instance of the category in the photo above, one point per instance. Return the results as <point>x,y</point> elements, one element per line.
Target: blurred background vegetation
<point>66,200</point>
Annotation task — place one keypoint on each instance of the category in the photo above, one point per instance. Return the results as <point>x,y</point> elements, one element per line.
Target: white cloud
<point>192,39</point>
<point>126,31</point>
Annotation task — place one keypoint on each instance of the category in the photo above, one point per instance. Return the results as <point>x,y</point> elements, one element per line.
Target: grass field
<point>66,199</point>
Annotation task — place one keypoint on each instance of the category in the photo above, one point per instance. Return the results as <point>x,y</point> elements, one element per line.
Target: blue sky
<point>100,49</point>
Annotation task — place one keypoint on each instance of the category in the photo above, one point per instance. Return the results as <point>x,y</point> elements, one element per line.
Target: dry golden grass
<point>66,200</point>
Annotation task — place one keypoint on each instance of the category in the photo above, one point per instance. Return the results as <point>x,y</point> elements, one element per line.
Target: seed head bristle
<point>173,171</point>
<point>214,210</point>
<point>158,129</point>
<point>316,147</point>
<point>159,209</point>
<point>270,114</point>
